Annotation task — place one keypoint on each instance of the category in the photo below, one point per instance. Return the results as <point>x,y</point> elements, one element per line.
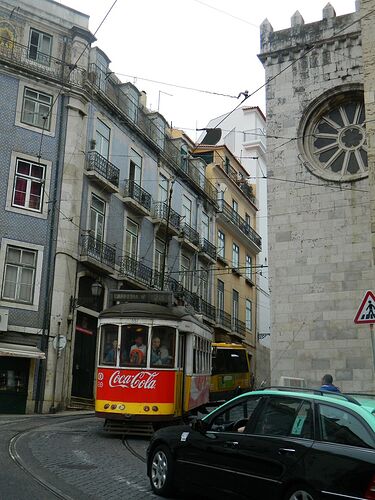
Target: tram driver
<point>137,354</point>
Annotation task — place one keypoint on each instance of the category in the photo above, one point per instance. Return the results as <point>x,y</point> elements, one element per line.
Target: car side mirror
<point>200,426</point>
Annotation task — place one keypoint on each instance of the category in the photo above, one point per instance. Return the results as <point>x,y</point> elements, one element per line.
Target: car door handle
<point>231,444</point>
<point>285,451</point>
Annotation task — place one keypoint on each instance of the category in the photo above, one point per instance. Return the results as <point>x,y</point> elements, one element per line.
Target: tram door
<point>182,364</point>
<point>84,356</point>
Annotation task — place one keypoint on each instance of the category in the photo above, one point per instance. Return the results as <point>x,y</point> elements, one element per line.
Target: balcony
<point>99,255</point>
<point>238,327</point>
<point>189,237</point>
<point>223,320</point>
<point>102,171</point>
<point>246,232</point>
<point>133,270</point>
<point>164,215</point>
<point>136,198</point>
<point>42,65</point>
<point>207,250</point>
<point>208,311</point>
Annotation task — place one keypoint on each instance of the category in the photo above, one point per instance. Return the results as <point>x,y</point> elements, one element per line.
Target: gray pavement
<point>71,457</point>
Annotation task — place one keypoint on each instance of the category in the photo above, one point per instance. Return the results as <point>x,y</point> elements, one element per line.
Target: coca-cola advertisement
<point>136,386</point>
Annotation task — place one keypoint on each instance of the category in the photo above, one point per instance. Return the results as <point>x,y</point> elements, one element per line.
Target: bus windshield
<point>229,361</point>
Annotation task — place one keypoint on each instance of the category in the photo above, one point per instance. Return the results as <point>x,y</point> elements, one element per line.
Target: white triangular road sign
<point>366,311</point>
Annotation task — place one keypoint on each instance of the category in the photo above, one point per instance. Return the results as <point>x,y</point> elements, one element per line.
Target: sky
<point>209,45</point>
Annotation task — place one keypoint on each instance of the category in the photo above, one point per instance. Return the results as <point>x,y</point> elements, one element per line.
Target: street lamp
<point>96,291</point>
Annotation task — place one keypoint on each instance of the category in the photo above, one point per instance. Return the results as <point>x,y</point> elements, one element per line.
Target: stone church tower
<point>319,222</point>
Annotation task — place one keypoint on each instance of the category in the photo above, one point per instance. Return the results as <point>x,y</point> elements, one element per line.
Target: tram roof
<point>149,311</point>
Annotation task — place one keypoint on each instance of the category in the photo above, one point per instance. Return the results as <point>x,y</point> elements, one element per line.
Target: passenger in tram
<point>137,354</point>
<point>159,354</point>
<point>111,354</point>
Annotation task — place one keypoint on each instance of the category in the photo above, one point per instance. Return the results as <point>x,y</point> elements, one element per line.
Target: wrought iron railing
<point>223,318</point>
<point>39,63</point>
<point>135,269</point>
<point>237,220</point>
<point>208,248</point>
<point>97,162</point>
<point>154,132</point>
<point>98,250</point>
<point>207,309</point>
<point>134,191</point>
<point>190,234</point>
<point>160,211</point>
<point>239,326</point>
<point>248,191</point>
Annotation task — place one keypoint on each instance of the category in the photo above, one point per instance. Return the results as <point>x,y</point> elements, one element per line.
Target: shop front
<point>16,364</point>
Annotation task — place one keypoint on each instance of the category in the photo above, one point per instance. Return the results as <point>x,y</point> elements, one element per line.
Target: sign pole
<point>372,334</point>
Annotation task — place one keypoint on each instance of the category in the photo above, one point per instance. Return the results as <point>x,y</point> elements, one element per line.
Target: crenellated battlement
<point>287,44</point>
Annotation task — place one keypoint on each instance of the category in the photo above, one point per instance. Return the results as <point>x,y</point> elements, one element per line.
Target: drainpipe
<point>52,408</point>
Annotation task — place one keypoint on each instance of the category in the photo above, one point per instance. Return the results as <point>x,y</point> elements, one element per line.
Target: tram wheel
<point>161,477</point>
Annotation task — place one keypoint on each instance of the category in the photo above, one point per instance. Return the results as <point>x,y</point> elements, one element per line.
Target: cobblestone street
<point>69,457</point>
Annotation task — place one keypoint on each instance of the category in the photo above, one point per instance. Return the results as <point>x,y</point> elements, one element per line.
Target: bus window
<point>230,361</point>
<point>134,339</point>
<point>163,343</point>
<point>109,345</point>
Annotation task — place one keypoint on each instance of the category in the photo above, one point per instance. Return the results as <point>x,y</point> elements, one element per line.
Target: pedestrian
<point>327,384</point>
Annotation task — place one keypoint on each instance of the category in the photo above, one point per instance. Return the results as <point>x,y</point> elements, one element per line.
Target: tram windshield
<point>134,341</point>
<point>109,345</point>
<point>163,346</point>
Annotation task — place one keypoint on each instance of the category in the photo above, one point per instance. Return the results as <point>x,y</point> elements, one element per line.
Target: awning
<point>21,351</point>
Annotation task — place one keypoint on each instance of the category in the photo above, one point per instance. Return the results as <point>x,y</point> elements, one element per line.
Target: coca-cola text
<point>141,380</point>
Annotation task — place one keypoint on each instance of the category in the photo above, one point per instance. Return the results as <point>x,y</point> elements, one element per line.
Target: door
<point>14,379</point>
<point>84,356</point>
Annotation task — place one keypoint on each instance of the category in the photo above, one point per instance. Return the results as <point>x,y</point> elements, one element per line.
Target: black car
<point>270,444</point>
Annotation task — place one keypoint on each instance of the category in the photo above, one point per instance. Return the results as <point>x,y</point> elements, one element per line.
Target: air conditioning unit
<point>292,382</point>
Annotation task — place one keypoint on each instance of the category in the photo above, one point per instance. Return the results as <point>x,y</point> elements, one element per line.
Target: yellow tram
<point>154,359</point>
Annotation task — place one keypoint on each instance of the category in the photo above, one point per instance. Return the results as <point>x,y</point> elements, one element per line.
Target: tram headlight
<point>146,408</point>
<point>113,407</point>
<point>155,408</point>
<point>121,407</point>
<point>106,406</point>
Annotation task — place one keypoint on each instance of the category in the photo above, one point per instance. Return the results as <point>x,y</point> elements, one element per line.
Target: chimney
<point>143,99</point>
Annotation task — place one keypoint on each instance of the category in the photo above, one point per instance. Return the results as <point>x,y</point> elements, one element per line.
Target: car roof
<point>365,411</point>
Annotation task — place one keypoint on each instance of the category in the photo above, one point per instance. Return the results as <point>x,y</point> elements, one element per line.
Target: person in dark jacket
<point>327,384</point>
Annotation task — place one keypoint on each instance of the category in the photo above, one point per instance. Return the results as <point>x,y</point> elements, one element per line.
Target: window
<point>249,267</point>
<point>340,426</point>
<point>185,278</point>
<point>285,416</point>
<point>249,318</point>
<point>163,189</point>
<point>186,210</point>
<point>40,45</point>
<point>229,419</point>
<point>101,71</point>
<point>131,242</point>
<point>97,217</point>
<point>220,296</point>
<point>109,349</point>
<point>205,226</point>
<point>133,346</point>
<point>159,252</point>
<point>204,284</point>
<point>221,244</point>
<point>248,221</point>
<point>184,155</point>
<point>28,185</point>
<point>235,206</point>
<point>235,256</point>
<point>36,109</point>
<point>225,360</point>
<point>235,305</point>
<point>201,355</point>
<point>19,275</point>
<point>163,344</point>
<point>102,138</point>
<point>135,168</point>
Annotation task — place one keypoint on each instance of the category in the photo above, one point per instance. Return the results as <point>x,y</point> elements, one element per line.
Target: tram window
<point>134,339</point>
<point>201,355</point>
<point>109,345</point>
<point>163,343</point>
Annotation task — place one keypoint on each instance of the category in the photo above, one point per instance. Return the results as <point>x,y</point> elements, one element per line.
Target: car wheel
<point>161,477</point>
<point>301,492</point>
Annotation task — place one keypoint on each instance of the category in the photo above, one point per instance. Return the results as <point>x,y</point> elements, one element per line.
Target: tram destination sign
<point>143,296</point>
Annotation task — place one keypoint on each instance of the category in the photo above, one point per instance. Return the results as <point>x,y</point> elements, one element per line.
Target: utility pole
<point>166,240</point>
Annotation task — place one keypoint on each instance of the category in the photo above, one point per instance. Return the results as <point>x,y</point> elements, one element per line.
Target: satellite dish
<point>212,137</point>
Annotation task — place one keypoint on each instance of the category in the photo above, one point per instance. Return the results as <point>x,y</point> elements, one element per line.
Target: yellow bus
<point>231,371</point>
